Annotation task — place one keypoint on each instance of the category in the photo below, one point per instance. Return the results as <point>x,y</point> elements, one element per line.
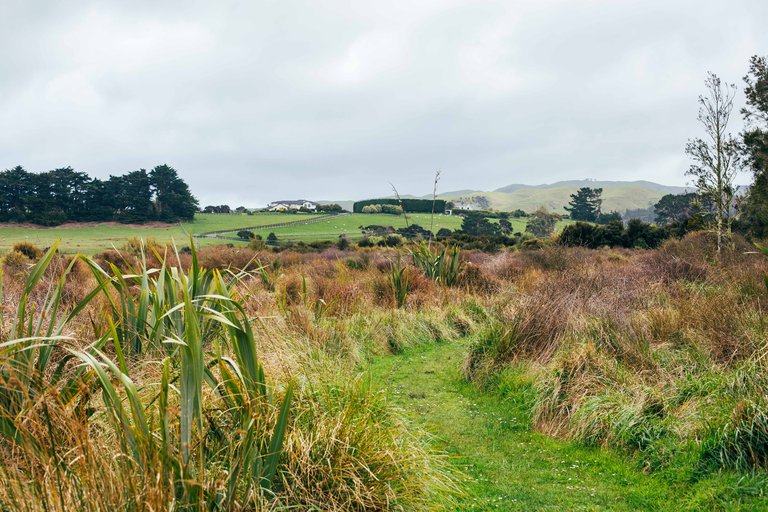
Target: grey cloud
<point>253,100</point>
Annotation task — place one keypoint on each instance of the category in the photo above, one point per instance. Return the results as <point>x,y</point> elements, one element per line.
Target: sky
<point>253,101</point>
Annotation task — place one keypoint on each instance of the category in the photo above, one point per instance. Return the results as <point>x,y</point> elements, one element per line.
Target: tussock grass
<point>142,367</point>
<point>658,353</point>
<point>147,393</point>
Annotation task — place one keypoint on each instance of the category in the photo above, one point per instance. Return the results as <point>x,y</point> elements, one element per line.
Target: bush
<point>542,223</point>
<point>342,243</point>
<point>372,208</point>
<point>394,240</point>
<point>637,234</point>
<point>246,235</point>
<point>29,250</point>
<point>476,224</point>
<point>393,209</point>
<point>414,231</point>
<point>15,263</point>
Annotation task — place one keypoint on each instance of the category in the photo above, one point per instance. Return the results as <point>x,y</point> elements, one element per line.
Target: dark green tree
<point>475,224</point>
<point>677,208</point>
<point>606,218</point>
<point>16,193</point>
<point>133,197</point>
<point>172,201</point>
<point>754,207</point>
<point>582,234</point>
<point>586,204</point>
<point>69,192</point>
<point>505,226</point>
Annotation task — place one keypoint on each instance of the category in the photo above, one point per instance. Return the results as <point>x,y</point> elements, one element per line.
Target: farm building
<point>281,206</point>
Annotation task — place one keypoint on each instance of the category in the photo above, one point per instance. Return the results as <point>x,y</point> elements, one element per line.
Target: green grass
<point>510,467</point>
<point>350,225</point>
<point>92,238</point>
<point>89,239</point>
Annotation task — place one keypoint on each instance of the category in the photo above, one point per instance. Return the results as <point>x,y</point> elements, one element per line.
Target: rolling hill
<point>617,195</point>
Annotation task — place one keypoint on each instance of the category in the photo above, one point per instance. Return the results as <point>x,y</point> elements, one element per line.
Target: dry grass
<point>627,348</point>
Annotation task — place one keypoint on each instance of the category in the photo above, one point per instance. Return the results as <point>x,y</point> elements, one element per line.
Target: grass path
<point>510,467</point>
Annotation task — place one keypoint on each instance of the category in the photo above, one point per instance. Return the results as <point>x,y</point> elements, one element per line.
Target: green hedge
<point>409,205</point>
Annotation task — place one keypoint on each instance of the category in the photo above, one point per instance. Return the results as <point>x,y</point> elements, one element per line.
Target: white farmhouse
<point>297,204</point>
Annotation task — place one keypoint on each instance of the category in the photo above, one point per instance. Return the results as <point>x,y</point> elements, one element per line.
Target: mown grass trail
<point>510,467</point>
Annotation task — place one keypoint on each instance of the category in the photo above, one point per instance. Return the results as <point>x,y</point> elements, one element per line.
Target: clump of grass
<point>442,265</point>
<point>28,249</point>
<point>175,437</point>
<point>380,461</point>
<point>165,403</point>
<point>15,263</point>
<point>399,281</point>
<point>742,442</point>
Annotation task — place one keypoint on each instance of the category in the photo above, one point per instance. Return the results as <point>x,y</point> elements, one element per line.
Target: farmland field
<point>92,238</point>
<point>350,225</point>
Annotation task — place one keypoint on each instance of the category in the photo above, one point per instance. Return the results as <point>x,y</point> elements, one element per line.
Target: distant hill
<point>346,204</point>
<point>617,195</point>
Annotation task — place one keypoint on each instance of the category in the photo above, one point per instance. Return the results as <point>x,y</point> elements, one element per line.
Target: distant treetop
<point>65,195</point>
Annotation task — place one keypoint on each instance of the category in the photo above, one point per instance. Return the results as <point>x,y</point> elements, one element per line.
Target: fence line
<point>214,234</point>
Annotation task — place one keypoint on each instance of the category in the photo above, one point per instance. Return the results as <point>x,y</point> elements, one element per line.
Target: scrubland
<point>228,379</point>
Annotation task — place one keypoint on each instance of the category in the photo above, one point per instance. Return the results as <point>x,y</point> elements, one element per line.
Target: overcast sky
<point>258,100</point>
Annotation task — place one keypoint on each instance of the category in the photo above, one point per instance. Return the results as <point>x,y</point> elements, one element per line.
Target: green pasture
<point>92,238</point>
<point>89,238</point>
<point>330,229</point>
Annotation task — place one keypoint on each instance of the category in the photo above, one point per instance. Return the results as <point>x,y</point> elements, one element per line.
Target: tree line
<point>408,205</point>
<point>716,158</point>
<point>65,195</point>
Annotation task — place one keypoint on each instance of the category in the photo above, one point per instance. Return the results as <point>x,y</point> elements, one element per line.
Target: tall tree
<point>677,208</point>
<point>476,224</point>
<point>133,199</point>
<point>542,223</point>
<point>715,158</point>
<point>754,208</point>
<point>16,193</point>
<point>586,204</point>
<point>172,199</point>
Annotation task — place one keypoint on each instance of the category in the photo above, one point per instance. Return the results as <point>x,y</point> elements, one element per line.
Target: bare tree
<point>434,200</point>
<point>716,156</point>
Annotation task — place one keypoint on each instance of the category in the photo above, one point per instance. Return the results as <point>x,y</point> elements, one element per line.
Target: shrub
<point>414,231</point>
<point>371,208</point>
<point>360,263</point>
<point>393,209</point>
<point>542,223</point>
<point>15,262</point>
<point>342,243</point>
<point>393,240</point>
<point>29,250</point>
